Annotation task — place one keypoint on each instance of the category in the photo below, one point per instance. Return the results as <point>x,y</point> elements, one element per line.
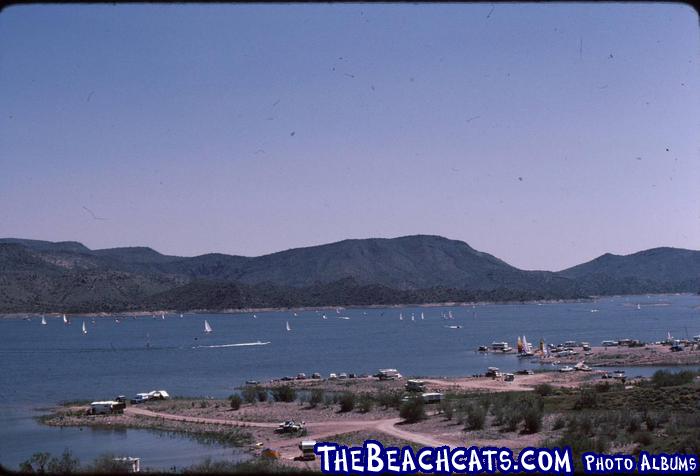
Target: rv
<point>106,407</point>
<point>415,386</point>
<point>388,374</point>
<point>433,397</point>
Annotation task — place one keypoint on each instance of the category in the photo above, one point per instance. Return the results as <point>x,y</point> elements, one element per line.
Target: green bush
<point>389,399</point>
<point>262,394</point>
<point>235,401</point>
<point>284,393</point>
<point>413,410</point>
<point>66,464</point>
<point>587,398</point>
<point>316,398</point>
<point>544,389</point>
<point>365,403</point>
<point>475,417</point>
<point>533,419</point>
<point>663,378</point>
<point>250,393</point>
<point>447,409</point>
<point>559,423</point>
<point>347,401</point>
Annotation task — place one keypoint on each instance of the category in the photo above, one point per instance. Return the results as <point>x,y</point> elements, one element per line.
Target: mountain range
<point>43,276</point>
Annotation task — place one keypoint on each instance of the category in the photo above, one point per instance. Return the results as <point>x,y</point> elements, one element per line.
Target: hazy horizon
<point>543,134</point>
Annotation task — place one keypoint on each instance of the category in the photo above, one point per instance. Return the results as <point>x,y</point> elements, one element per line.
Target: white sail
<point>43,321</point>
<point>400,316</point>
<point>254,316</point>
<point>422,316</point>
<point>181,316</point>
<point>207,327</point>
<point>162,316</point>
<point>65,320</point>
<point>288,328</point>
<point>324,317</point>
<point>449,314</point>
<point>84,328</point>
<point>413,316</point>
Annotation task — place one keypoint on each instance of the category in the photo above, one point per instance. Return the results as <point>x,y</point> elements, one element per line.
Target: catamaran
<point>207,327</point>
<point>43,321</point>
<point>84,328</point>
<point>288,328</point>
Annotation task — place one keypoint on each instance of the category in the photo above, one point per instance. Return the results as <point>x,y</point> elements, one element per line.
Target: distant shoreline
<point>158,312</point>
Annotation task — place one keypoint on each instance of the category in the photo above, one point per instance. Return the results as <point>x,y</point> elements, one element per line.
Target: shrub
<point>663,378</point>
<point>642,437</point>
<point>235,401</point>
<point>250,393</point>
<point>544,389</point>
<point>413,410</point>
<point>66,464</point>
<point>559,423</point>
<point>447,409</point>
<point>365,403</point>
<point>475,417</point>
<point>533,419</point>
<point>389,399</point>
<point>262,394</point>
<point>347,401</point>
<point>284,393</point>
<point>316,397</point>
<point>587,398</point>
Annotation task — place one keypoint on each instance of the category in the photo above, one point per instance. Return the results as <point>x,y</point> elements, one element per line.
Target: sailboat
<point>295,314</point>
<point>162,316</point>
<point>43,321</point>
<point>254,316</point>
<point>65,320</point>
<point>400,316</point>
<point>413,316</point>
<point>288,328</point>
<point>181,316</point>
<point>449,314</point>
<point>84,328</point>
<point>207,327</point>
<point>422,316</point>
<point>324,317</point>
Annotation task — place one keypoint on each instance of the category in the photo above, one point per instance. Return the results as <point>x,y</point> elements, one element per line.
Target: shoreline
<point>591,299</point>
<point>141,313</point>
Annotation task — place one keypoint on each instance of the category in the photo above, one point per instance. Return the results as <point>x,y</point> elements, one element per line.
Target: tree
<point>235,402</point>
<point>66,464</point>
<point>413,410</point>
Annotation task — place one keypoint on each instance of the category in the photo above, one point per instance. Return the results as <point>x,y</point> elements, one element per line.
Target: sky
<point>544,134</point>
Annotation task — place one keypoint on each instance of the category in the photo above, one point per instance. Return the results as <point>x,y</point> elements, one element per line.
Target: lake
<point>43,365</point>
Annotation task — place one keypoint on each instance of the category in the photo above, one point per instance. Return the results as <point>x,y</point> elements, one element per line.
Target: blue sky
<point>545,134</point>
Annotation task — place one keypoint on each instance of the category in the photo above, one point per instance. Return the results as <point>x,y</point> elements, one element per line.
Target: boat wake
<point>220,346</point>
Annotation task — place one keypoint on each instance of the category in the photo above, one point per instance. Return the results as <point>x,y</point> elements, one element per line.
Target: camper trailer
<point>307,450</point>
<point>415,386</point>
<point>388,374</point>
<point>106,407</point>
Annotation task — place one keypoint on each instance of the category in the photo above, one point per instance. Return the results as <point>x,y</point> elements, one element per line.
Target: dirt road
<point>317,430</point>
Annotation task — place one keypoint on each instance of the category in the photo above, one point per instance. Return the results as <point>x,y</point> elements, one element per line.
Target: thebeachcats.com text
<point>373,458</point>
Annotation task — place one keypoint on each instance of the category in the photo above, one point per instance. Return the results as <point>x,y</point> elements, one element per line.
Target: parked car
<point>301,376</point>
<point>140,398</point>
<point>316,375</point>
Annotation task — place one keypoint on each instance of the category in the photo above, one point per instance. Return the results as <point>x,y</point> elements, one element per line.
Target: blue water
<point>43,365</point>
